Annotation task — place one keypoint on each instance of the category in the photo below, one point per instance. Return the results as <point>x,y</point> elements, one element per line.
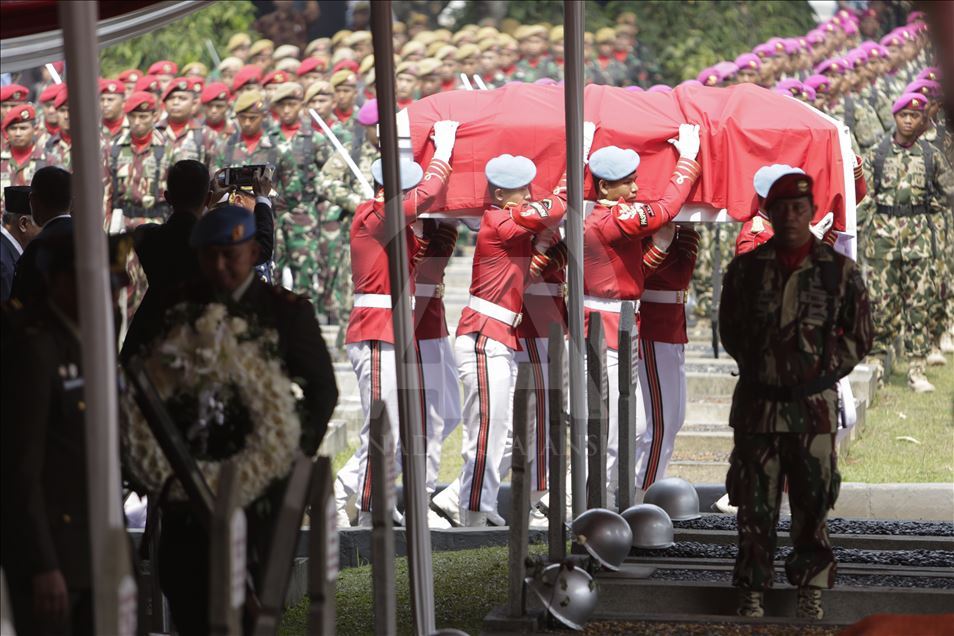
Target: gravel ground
<point>647,628</point>
<point>847,580</point>
<point>910,558</point>
<point>836,526</point>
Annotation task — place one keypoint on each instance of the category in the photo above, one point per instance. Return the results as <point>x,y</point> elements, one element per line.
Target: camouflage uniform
<point>296,243</point>
<point>235,153</point>
<point>14,174</point>
<point>901,224</point>
<point>190,144</point>
<point>58,152</point>
<point>110,136</point>
<point>215,141</point>
<point>861,119</point>
<point>341,189</point>
<point>793,336</point>
<point>607,71</point>
<point>527,71</point>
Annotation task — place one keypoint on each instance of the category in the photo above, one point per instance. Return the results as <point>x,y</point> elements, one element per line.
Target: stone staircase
<point>703,444</point>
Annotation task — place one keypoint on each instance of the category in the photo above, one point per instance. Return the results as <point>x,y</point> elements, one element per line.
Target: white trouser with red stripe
<point>487,368</point>
<point>441,398</point>
<point>662,380</point>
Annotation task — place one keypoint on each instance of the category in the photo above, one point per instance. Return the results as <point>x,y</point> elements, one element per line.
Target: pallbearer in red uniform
<point>662,360</point>
<point>370,336</point>
<point>612,250</point>
<point>487,340</point>
<point>438,364</point>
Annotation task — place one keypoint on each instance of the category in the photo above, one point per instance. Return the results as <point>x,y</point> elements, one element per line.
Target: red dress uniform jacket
<point>754,232</point>
<point>429,314</point>
<point>664,321</point>
<point>612,244</point>
<point>369,258</point>
<point>502,261</point>
<point>544,300</point>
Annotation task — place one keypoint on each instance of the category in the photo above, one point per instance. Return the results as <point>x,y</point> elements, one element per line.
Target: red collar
<point>140,144</point>
<point>289,131</point>
<point>113,126</point>
<point>789,259</point>
<point>52,129</point>
<point>21,155</point>
<point>65,136</point>
<point>251,142</point>
<point>343,116</point>
<point>219,127</point>
<point>178,128</point>
<point>620,55</point>
<point>534,62</point>
<point>404,103</point>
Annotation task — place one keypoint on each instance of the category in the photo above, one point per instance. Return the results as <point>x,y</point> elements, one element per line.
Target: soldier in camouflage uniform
<point>216,125</point>
<point>185,139</point>
<point>58,146</point>
<point>338,185</point>
<point>795,316</point>
<point>534,62</point>
<point>20,157</point>
<point>112,96</point>
<point>702,274</point>
<point>296,244</point>
<point>320,97</point>
<point>900,224</point>
<point>606,69</point>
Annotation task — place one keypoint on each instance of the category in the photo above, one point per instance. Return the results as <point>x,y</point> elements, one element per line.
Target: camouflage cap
<point>261,46</point>
<point>288,90</point>
<point>253,101</point>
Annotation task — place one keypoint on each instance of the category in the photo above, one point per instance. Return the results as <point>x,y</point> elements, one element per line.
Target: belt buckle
<point>564,289</point>
<point>681,296</point>
<point>516,323</point>
<point>439,291</point>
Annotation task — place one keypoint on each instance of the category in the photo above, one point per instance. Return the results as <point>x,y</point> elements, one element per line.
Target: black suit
<point>28,284</point>
<point>169,262</point>
<point>45,516</point>
<point>8,265</point>
<point>183,546</point>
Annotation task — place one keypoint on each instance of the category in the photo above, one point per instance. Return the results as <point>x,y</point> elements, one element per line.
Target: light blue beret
<point>613,163</point>
<point>228,225</point>
<point>766,176</point>
<point>510,172</point>
<point>411,173</point>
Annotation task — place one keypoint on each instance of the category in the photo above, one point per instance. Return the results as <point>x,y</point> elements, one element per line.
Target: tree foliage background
<point>686,36</point>
<point>182,41</point>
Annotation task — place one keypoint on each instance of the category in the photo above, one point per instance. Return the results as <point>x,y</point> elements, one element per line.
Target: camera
<point>242,176</point>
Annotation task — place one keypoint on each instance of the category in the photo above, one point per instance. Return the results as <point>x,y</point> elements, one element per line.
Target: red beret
<point>164,67</point>
<point>130,75</point>
<point>788,186</point>
<point>196,83</point>
<point>140,101</point>
<point>178,84</point>
<point>246,75</point>
<point>276,77</point>
<point>61,98</point>
<point>111,86</point>
<point>24,112</point>
<point>147,83</point>
<point>214,91</point>
<point>351,65</point>
<point>14,93</point>
<point>312,64</point>
<point>49,93</point>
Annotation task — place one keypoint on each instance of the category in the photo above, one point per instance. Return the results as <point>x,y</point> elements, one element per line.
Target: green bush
<point>182,41</point>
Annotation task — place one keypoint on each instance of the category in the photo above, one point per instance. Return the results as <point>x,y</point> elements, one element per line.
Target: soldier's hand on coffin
<point>589,130</point>
<point>821,228</point>
<point>664,236</point>
<point>50,597</point>
<point>444,135</point>
<point>688,142</point>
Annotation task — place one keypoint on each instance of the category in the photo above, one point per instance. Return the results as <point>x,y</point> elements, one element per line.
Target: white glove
<point>418,228</point>
<point>821,228</point>
<point>544,241</point>
<point>444,135</point>
<point>688,142</point>
<point>589,130</point>
<point>664,236</point>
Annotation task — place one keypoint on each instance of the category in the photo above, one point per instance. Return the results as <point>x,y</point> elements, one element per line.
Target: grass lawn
<point>878,455</point>
<point>467,585</point>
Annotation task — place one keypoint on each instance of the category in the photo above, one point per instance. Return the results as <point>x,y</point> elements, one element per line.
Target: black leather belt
<point>903,210</point>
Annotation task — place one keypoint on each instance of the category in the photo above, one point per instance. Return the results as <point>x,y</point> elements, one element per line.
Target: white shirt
<point>16,243</point>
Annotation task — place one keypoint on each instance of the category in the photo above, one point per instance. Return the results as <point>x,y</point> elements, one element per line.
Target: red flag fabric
<point>742,128</point>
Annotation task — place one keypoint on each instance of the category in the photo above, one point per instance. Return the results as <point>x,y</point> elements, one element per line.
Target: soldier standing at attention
<point>911,182</point>
<point>112,96</point>
<point>217,127</point>
<point>139,160</point>
<point>806,325</point>
<point>345,85</point>
<point>183,137</point>
<point>21,156</point>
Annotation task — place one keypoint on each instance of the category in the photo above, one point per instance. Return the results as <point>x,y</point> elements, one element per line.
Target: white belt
<point>375,301</point>
<point>546,289</point>
<point>495,311</point>
<point>612,305</point>
<point>424,290</point>
<point>665,297</point>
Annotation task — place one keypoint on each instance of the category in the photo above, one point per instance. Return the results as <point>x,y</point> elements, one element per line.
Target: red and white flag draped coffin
<point>743,128</point>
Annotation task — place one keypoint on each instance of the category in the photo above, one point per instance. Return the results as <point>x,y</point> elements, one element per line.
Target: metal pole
<point>626,420</point>
<point>383,471</point>
<point>557,531</point>
<point>573,93</point>
<point>520,490</point>
<point>597,420</point>
<point>408,377</point>
<point>113,583</point>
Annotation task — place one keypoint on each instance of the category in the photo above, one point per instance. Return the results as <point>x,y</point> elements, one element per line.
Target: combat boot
<point>916,378</point>
<point>809,604</point>
<point>936,358</point>
<point>947,343</point>
<point>750,604</point>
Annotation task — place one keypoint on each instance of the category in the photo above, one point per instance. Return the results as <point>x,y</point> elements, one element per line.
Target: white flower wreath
<point>202,359</point>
